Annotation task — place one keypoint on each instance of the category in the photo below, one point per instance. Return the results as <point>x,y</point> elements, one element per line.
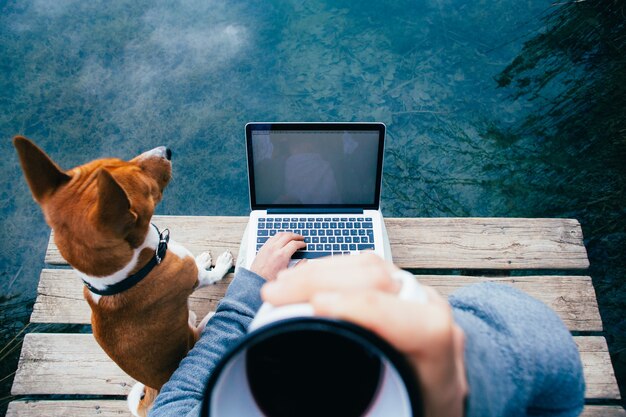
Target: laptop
<point>319,180</point>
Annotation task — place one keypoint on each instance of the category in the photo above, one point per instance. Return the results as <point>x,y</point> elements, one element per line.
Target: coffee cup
<point>293,363</point>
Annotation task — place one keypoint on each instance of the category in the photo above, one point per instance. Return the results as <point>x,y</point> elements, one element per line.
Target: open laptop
<point>319,180</point>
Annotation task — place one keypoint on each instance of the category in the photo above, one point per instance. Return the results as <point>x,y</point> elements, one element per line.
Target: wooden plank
<point>117,408</point>
<point>598,369</point>
<point>491,243</point>
<point>67,364</point>
<point>75,364</point>
<point>446,243</point>
<point>65,408</point>
<point>603,411</point>
<point>60,297</point>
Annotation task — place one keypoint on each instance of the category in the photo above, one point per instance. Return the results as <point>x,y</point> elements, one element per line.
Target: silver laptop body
<point>319,180</point>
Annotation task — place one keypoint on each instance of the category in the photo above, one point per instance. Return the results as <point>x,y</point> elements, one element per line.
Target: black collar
<point>131,280</point>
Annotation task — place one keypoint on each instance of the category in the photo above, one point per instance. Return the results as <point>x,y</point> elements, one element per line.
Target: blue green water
<point>111,78</point>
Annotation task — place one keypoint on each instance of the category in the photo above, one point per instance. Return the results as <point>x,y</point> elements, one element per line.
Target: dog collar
<point>132,280</point>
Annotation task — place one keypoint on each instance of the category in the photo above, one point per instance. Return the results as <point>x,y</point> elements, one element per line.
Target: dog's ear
<point>113,210</point>
<point>44,177</point>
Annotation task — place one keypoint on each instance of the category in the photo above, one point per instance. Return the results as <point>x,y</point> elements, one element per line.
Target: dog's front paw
<point>222,266</point>
<point>203,261</point>
<point>224,262</point>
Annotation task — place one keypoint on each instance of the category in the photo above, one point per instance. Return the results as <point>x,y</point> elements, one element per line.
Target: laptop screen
<point>315,165</point>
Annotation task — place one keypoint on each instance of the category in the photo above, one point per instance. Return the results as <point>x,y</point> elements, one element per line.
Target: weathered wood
<point>60,297</point>
<point>75,364</point>
<point>117,408</point>
<point>603,411</point>
<point>64,408</point>
<point>447,243</point>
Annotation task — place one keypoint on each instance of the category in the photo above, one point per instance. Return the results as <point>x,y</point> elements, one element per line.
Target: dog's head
<point>102,208</point>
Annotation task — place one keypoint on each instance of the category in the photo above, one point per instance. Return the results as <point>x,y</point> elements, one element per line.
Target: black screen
<point>336,167</point>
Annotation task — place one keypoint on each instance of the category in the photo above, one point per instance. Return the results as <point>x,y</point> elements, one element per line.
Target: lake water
<point>467,134</point>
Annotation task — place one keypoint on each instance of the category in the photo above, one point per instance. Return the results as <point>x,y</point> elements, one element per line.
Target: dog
<point>137,281</point>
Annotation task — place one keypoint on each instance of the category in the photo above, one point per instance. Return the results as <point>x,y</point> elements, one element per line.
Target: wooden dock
<point>74,368</point>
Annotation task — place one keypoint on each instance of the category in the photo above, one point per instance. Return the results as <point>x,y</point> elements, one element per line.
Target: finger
<point>285,237</point>
<point>409,326</point>
<point>340,274</point>
<point>293,246</point>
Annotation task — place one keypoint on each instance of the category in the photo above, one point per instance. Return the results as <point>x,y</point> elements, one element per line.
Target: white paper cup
<point>292,363</point>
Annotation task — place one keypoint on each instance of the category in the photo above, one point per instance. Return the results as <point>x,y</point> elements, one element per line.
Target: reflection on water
<point>493,109</point>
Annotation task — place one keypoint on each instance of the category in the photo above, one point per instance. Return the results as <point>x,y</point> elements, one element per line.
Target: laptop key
<point>262,232</point>
<point>319,246</point>
<point>336,247</point>
<point>327,247</point>
<point>310,246</point>
<point>367,225</point>
<point>261,239</point>
<point>349,225</point>
<point>272,232</point>
<point>261,226</point>
<point>344,247</point>
<point>365,247</point>
<point>352,247</point>
<point>316,239</point>
<point>307,240</point>
<point>310,255</point>
<point>323,239</point>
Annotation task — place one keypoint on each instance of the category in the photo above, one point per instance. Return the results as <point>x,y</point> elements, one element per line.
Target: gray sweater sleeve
<point>520,358</point>
<point>182,395</point>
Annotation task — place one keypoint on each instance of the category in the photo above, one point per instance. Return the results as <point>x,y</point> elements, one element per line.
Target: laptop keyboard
<point>324,236</point>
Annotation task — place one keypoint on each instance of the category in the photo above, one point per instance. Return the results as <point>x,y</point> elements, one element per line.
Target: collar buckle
<point>164,238</point>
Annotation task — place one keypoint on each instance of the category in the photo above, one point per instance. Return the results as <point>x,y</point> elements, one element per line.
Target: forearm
<point>184,391</point>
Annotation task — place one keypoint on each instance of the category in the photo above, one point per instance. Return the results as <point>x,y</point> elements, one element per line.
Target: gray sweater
<point>520,359</point>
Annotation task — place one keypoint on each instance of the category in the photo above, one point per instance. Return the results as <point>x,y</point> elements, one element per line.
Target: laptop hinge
<point>314,210</point>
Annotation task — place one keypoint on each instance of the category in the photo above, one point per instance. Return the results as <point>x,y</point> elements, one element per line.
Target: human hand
<point>360,289</point>
<point>275,254</point>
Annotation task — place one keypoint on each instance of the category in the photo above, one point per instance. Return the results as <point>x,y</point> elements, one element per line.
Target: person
<point>489,350</point>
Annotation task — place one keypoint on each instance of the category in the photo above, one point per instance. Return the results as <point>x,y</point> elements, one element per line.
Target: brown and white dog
<point>100,213</point>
